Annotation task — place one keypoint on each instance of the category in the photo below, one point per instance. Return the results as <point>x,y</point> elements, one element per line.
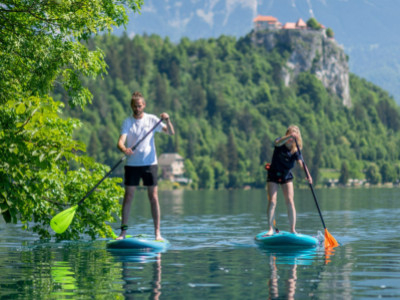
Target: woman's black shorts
<point>279,178</point>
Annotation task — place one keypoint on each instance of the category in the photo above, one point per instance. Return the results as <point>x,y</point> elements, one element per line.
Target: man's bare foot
<point>159,237</point>
<point>122,235</point>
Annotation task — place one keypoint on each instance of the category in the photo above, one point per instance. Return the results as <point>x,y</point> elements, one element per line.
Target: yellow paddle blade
<point>330,241</point>
<point>62,220</point>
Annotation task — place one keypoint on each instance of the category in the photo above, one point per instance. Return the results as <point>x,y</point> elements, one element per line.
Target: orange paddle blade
<point>330,241</point>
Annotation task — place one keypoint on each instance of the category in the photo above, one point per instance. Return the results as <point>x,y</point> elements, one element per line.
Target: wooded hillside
<point>228,105</point>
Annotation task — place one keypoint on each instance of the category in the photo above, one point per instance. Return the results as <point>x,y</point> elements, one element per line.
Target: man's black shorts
<point>147,173</point>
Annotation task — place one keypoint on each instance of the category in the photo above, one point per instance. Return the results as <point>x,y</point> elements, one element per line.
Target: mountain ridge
<point>365,28</point>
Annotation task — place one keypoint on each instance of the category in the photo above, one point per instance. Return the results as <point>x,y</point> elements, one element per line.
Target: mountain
<point>365,28</point>
<point>228,102</point>
<point>310,51</point>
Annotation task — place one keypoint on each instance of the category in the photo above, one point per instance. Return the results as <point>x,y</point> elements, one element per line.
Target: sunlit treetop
<point>40,42</point>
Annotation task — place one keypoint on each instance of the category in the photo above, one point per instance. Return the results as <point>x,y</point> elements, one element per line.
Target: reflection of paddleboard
<point>135,255</point>
<point>139,242</point>
<point>286,239</point>
<point>291,255</point>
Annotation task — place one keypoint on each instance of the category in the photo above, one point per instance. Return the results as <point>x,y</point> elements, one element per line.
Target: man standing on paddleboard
<point>141,163</point>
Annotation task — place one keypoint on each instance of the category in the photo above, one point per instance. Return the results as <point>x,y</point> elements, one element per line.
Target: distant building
<point>266,22</point>
<point>301,24</point>
<point>172,167</point>
<point>289,26</point>
<point>269,22</point>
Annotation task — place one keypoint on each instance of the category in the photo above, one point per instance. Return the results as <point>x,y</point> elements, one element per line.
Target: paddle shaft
<point>311,186</point>
<point>118,163</point>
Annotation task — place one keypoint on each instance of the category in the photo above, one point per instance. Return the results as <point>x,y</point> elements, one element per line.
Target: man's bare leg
<point>126,208</point>
<point>152,192</point>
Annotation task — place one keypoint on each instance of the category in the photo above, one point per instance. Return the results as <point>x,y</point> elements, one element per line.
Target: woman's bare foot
<point>269,233</point>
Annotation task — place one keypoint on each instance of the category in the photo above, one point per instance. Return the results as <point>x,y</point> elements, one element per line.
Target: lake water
<point>213,254</point>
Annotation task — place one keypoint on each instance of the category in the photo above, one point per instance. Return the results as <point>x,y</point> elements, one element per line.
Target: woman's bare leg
<point>288,193</point>
<point>272,191</point>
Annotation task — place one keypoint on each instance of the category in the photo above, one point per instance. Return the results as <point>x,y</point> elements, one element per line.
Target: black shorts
<point>147,173</point>
<point>279,178</point>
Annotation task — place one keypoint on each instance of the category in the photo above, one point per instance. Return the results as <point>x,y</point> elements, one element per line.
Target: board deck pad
<point>139,242</point>
<point>286,239</point>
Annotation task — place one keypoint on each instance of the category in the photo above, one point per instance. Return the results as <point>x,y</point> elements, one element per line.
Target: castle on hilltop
<point>269,22</point>
<point>312,49</point>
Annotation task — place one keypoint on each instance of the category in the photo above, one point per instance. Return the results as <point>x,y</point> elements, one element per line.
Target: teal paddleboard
<point>286,239</point>
<point>139,243</point>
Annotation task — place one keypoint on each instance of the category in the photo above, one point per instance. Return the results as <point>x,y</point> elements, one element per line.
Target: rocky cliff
<point>310,50</point>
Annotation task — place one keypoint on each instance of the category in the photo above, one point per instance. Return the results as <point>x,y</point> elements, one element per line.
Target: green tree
<point>313,23</point>
<point>344,174</point>
<point>372,174</point>
<point>42,170</point>
<point>220,175</point>
<point>330,33</point>
<point>190,172</point>
<point>266,150</point>
<point>232,153</point>
<point>205,173</point>
<point>388,172</point>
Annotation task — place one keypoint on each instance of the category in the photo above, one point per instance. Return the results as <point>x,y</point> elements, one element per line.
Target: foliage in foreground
<point>42,168</point>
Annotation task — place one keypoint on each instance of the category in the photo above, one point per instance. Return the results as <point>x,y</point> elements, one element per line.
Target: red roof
<point>301,23</point>
<point>268,19</point>
<point>289,26</point>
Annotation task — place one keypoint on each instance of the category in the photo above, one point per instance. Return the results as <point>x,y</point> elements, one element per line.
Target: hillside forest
<point>228,105</point>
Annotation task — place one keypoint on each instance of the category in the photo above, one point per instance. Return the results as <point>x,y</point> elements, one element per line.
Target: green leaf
<point>21,109</point>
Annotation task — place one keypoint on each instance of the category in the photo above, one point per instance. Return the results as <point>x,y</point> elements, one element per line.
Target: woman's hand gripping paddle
<point>330,241</point>
<point>60,222</point>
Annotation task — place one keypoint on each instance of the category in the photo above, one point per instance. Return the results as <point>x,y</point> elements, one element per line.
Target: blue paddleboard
<point>286,239</point>
<point>139,242</point>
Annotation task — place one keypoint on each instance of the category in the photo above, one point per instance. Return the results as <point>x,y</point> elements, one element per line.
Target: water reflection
<point>289,259</point>
<point>290,282</point>
<point>214,256</point>
<point>291,256</point>
<point>63,277</point>
<point>134,273</point>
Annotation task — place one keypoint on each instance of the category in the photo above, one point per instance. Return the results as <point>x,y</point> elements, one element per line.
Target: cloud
<point>180,23</point>
<point>208,13</point>
<point>148,8</point>
<point>207,17</point>
<point>310,10</point>
<point>232,4</point>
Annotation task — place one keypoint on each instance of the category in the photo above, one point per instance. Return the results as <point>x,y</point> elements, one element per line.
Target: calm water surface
<point>213,255</point>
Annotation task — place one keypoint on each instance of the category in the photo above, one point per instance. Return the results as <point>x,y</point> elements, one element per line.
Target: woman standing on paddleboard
<point>279,174</point>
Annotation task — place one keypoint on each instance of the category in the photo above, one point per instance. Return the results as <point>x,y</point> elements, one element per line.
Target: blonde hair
<point>291,129</point>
